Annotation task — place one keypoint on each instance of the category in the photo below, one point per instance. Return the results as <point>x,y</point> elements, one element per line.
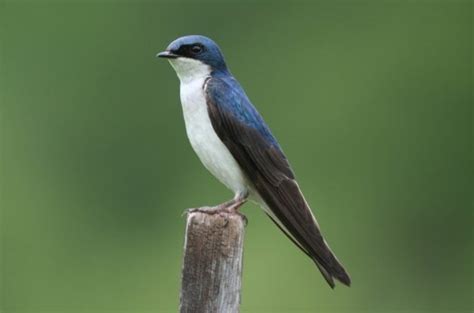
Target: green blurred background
<point>370,100</point>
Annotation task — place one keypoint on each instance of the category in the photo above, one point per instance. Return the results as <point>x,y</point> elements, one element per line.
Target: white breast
<point>210,149</point>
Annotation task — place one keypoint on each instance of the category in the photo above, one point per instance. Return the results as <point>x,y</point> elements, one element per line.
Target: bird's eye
<point>196,49</point>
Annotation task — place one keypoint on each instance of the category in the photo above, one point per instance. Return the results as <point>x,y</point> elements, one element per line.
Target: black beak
<point>167,55</point>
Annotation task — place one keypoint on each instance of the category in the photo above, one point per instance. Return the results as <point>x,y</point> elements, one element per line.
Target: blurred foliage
<point>371,100</point>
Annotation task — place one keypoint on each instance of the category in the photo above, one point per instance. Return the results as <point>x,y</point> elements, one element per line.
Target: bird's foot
<point>205,209</point>
<point>229,207</point>
<point>233,208</point>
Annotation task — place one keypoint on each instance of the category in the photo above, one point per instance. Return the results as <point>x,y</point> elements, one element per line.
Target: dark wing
<point>245,134</point>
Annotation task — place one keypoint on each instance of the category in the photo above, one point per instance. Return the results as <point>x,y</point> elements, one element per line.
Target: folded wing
<point>245,134</point>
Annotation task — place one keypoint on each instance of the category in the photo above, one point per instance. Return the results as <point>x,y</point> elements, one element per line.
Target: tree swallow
<point>236,146</point>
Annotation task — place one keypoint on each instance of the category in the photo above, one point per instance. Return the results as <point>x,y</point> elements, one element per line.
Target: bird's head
<point>193,56</point>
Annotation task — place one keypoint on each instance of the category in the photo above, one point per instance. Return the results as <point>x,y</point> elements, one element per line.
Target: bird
<point>235,144</point>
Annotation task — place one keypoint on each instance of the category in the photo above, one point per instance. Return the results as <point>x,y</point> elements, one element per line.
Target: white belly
<point>210,149</point>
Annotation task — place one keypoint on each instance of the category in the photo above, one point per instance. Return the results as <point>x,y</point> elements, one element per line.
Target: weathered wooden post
<point>212,264</point>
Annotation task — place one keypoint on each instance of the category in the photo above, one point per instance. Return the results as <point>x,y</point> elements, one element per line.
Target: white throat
<point>190,70</point>
<point>210,149</point>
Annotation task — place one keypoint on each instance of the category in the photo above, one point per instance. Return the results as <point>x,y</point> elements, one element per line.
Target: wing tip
<point>344,278</point>
<point>339,273</point>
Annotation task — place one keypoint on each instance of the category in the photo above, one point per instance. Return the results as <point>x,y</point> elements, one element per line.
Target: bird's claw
<point>217,210</point>
<point>206,209</point>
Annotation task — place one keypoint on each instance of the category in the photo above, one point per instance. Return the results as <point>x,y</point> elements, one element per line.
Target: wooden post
<point>212,265</point>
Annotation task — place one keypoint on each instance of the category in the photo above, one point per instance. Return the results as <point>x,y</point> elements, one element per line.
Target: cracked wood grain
<point>212,265</point>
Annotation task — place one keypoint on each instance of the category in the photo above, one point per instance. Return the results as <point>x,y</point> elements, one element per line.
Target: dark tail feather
<point>326,275</point>
<point>343,277</point>
<point>336,271</point>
